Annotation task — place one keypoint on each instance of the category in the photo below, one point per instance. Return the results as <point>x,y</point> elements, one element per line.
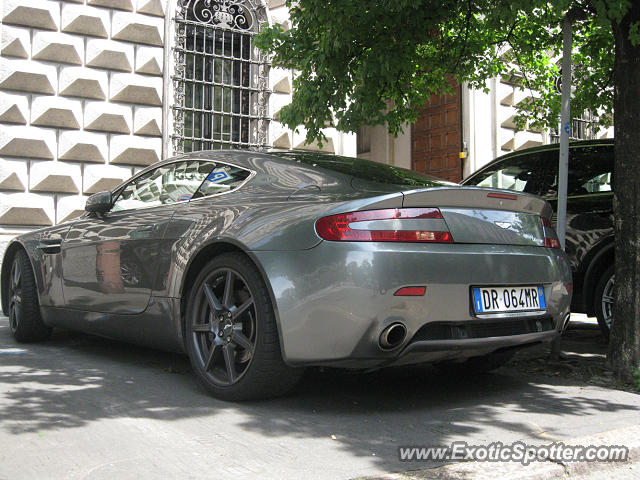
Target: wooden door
<point>436,137</point>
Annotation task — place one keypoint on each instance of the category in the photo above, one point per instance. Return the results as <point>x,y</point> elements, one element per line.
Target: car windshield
<point>366,170</point>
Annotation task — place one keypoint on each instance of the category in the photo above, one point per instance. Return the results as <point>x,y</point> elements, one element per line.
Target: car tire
<point>231,335</point>
<point>25,321</point>
<point>603,301</point>
<point>476,365</point>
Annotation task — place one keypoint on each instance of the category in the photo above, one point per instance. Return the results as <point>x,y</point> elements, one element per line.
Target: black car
<point>589,238</point>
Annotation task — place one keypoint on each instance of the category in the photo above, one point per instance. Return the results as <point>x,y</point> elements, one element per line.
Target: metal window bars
<point>221,79</point>
<point>582,128</point>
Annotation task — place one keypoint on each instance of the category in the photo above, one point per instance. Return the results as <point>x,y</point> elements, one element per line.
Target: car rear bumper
<point>442,350</point>
<point>333,301</point>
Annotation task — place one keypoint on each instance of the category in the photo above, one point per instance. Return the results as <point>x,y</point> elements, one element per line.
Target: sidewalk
<point>78,406</point>
<point>543,470</point>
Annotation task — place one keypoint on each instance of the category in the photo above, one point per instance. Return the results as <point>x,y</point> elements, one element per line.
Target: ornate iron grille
<point>220,84</point>
<point>582,128</point>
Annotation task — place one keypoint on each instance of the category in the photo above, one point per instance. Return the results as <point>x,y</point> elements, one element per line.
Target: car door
<point>110,262</point>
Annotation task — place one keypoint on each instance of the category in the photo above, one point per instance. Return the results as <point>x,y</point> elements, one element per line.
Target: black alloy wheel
<point>231,334</point>
<point>25,321</point>
<point>15,295</point>
<point>603,301</point>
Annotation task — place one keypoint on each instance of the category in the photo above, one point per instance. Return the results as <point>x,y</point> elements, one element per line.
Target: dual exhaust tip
<point>392,336</point>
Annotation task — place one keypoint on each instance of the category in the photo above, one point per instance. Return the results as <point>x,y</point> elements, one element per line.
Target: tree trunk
<point>624,346</point>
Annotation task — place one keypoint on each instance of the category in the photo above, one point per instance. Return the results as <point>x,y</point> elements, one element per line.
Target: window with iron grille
<point>220,82</point>
<point>582,128</point>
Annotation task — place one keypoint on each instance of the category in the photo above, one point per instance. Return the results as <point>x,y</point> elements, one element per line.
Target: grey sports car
<point>257,264</point>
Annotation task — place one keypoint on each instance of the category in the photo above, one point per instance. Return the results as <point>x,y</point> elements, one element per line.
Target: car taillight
<point>387,225</point>
<point>551,243</point>
<point>550,237</point>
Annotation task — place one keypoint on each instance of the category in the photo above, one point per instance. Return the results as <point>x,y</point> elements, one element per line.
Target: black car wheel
<point>24,311</point>
<point>603,301</point>
<point>231,334</point>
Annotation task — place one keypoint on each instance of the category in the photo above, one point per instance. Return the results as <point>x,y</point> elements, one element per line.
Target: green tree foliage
<point>367,62</point>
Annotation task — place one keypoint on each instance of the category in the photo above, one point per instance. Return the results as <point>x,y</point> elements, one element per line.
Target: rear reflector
<point>505,196</point>
<point>410,292</point>
<point>337,228</point>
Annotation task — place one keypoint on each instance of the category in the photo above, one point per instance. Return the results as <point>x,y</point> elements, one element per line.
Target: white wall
<point>389,149</point>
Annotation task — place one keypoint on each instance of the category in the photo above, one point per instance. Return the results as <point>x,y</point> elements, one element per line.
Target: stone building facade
<point>91,91</point>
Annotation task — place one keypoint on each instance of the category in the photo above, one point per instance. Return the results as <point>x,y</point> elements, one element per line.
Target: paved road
<point>627,472</point>
<point>78,406</point>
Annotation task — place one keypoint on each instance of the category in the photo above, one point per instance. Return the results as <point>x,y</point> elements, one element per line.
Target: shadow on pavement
<point>75,379</point>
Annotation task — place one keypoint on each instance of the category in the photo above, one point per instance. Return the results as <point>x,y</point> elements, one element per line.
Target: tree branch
<point>466,37</point>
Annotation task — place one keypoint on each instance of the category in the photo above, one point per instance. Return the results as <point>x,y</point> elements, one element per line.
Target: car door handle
<point>50,246</point>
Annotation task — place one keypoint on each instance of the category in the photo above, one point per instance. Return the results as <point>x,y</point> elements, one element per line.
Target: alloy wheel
<point>15,295</point>
<point>607,301</point>
<point>224,326</point>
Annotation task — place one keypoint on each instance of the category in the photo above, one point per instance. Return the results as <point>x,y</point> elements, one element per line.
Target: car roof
<point>263,160</point>
<point>551,147</point>
<point>244,157</point>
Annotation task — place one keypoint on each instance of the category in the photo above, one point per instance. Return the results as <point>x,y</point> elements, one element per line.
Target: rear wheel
<point>231,334</point>
<point>476,365</point>
<point>24,309</point>
<point>603,301</point>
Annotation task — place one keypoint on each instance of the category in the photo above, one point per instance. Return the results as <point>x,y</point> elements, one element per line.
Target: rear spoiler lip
<point>532,203</point>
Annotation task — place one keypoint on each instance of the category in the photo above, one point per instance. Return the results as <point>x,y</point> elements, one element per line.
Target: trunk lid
<point>483,215</point>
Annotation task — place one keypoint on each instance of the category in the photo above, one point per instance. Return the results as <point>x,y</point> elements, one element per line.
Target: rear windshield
<point>365,170</point>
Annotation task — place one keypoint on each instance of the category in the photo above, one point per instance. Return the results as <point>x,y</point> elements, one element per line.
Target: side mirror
<point>99,203</point>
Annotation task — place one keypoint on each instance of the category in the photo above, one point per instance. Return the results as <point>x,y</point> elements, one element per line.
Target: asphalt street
<point>79,406</point>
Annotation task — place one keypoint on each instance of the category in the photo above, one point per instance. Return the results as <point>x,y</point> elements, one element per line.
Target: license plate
<point>508,299</point>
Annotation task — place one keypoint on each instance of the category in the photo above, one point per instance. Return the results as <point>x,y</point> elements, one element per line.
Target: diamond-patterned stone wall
<point>280,82</point>
<point>81,92</point>
<point>511,95</point>
<point>16,42</point>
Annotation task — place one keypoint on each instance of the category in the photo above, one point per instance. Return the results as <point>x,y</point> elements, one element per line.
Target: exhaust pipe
<point>392,336</point>
<point>565,323</point>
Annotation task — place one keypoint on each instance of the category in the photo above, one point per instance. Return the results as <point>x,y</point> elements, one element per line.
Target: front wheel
<point>231,334</point>
<point>603,301</point>
<point>24,308</point>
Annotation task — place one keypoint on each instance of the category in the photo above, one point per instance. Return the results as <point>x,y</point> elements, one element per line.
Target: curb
<point>542,470</point>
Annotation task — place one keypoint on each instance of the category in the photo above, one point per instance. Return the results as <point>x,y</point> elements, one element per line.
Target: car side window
<point>221,179</point>
<point>599,183</point>
<point>170,183</point>
<point>590,171</point>
<point>182,183</point>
